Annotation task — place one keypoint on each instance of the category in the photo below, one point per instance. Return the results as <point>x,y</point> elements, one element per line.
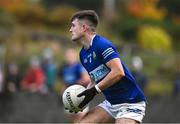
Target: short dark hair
<point>89,15</point>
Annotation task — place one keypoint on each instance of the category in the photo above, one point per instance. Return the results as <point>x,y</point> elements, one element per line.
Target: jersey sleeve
<point>107,52</point>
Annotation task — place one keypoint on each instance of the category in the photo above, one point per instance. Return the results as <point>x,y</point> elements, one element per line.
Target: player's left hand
<point>70,111</point>
<point>89,95</point>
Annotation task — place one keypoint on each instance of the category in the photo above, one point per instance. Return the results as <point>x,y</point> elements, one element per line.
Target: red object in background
<point>34,79</point>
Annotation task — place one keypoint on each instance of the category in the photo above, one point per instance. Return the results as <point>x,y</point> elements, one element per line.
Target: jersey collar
<point>92,39</point>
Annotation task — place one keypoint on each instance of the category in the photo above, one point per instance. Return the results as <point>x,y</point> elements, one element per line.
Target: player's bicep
<point>116,66</point>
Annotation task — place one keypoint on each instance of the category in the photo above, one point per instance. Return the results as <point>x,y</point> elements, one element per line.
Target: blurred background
<point>35,33</point>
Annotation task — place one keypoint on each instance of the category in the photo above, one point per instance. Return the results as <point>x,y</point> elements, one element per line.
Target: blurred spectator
<point>49,68</point>
<point>13,78</point>
<point>33,80</point>
<point>1,79</point>
<point>176,89</point>
<point>140,77</point>
<point>73,73</point>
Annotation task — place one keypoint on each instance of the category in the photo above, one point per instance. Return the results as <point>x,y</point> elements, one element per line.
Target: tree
<point>173,6</point>
<point>81,4</point>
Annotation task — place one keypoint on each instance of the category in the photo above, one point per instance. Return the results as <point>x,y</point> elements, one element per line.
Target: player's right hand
<point>89,95</point>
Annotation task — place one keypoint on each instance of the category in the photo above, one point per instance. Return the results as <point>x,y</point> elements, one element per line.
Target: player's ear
<point>85,27</point>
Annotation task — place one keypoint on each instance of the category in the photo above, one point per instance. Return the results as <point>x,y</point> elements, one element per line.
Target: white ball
<point>70,99</point>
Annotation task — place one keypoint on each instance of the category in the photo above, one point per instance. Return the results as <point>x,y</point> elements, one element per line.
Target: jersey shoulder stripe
<point>107,52</point>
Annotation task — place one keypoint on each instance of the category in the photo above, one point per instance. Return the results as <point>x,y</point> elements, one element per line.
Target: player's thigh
<point>97,115</point>
<point>126,121</point>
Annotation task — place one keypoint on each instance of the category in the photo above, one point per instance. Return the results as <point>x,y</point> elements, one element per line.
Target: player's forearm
<point>113,77</point>
<point>91,84</point>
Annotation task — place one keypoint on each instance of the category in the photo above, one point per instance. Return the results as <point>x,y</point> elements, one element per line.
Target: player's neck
<point>86,41</point>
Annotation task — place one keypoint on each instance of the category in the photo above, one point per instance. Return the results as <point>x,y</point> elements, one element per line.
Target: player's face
<point>76,30</point>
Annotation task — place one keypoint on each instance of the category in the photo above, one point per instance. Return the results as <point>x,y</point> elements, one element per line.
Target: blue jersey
<point>72,73</point>
<point>94,60</point>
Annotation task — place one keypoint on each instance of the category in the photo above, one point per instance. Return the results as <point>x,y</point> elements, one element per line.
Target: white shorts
<point>135,111</point>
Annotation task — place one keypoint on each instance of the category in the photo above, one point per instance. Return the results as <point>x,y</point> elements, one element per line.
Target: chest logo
<point>88,58</point>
